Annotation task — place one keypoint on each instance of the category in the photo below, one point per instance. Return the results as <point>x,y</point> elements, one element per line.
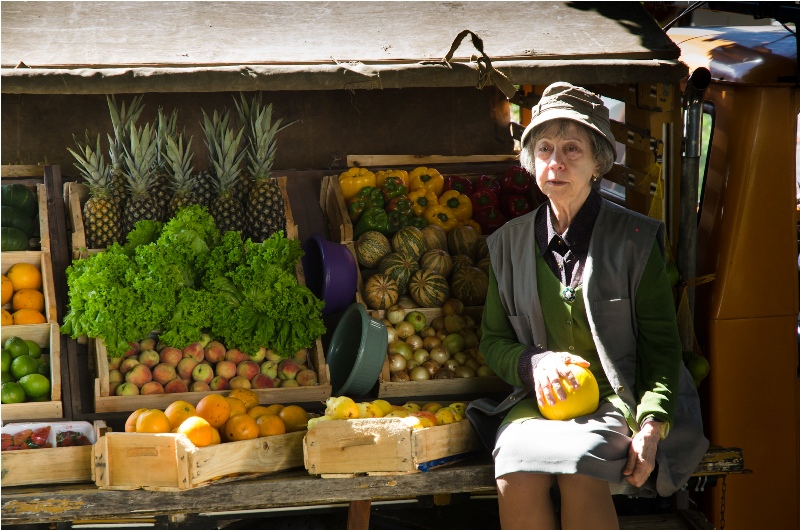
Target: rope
<point>487,73</point>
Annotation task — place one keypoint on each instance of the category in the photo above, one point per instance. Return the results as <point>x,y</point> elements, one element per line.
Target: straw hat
<point>563,100</point>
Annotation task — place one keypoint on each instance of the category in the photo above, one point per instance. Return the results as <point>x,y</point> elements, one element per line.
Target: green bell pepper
<point>367,197</point>
<point>396,220</point>
<point>419,222</point>
<point>393,187</point>
<point>372,218</point>
<point>400,204</point>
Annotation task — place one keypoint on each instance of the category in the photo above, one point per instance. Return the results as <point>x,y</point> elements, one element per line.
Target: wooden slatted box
<point>21,174</point>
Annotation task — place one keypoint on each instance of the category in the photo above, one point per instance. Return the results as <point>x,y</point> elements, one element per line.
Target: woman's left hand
<point>642,454</point>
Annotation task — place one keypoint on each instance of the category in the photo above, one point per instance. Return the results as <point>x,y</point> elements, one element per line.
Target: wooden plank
<point>13,171</point>
<point>388,161</point>
<point>434,443</point>
<point>58,465</point>
<point>44,223</point>
<point>358,515</point>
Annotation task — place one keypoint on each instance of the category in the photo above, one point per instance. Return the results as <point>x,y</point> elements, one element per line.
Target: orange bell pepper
<point>427,178</point>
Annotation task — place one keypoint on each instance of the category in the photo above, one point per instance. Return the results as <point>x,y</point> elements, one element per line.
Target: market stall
<point>413,94</point>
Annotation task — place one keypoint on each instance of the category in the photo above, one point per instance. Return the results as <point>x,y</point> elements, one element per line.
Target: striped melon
<point>428,289</point>
<point>470,285</point>
<point>460,261</point>
<point>484,264</point>
<point>380,291</point>
<point>438,261</point>
<point>371,247</point>
<point>482,249</point>
<point>463,240</point>
<point>435,237</point>
<point>410,240</point>
<point>399,266</point>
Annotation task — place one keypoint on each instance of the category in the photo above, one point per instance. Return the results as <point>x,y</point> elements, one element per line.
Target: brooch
<point>568,295</point>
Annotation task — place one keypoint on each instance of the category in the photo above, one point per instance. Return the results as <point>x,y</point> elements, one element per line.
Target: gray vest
<point>618,253</point>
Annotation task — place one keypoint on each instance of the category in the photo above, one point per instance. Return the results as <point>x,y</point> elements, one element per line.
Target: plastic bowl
<point>331,273</point>
<point>356,352</point>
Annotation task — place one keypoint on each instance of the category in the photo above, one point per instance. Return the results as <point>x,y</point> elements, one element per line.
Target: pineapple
<point>226,209</point>
<point>179,160</point>
<point>139,159</point>
<point>265,210</point>
<point>100,213</point>
<point>166,128</point>
<point>121,120</point>
<point>204,190</point>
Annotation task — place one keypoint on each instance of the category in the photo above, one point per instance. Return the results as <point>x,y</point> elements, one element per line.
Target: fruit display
<point>217,419</point>
<point>150,172</point>
<point>23,296</point>
<point>412,414</point>
<point>153,367</point>
<point>445,348</point>
<point>19,218</point>
<point>25,372</point>
<point>22,436</point>
<point>423,264</point>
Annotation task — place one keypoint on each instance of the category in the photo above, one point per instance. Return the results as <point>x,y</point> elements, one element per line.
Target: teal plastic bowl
<point>356,352</point>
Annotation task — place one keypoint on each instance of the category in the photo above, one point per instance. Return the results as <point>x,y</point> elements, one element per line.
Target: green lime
<point>34,350</point>
<point>16,346</point>
<point>45,397</point>
<point>24,365</point>
<point>6,377</point>
<point>5,360</point>
<point>44,368</point>
<point>35,385</point>
<point>12,393</point>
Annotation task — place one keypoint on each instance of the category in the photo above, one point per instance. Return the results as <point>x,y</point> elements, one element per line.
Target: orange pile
<point>22,288</point>
<point>217,418</point>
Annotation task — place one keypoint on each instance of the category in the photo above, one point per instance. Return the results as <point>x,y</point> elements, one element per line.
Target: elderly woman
<point>582,281</point>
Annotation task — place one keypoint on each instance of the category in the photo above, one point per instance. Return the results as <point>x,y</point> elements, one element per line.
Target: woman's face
<point>564,164</point>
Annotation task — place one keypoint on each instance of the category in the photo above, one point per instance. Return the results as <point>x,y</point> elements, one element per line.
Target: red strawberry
<point>81,439</point>
<point>22,436</point>
<point>66,441</point>
<point>5,441</point>
<point>40,435</point>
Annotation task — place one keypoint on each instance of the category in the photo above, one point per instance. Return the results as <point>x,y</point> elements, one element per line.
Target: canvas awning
<point>126,47</point>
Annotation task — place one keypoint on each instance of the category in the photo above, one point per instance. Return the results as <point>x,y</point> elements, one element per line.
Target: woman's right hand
<point>548,373</point>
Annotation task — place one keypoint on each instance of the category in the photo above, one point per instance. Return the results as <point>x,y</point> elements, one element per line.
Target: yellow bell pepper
<point>355,178</point>
<point>458,202</point>
<point>427,178</point>
<point>440,215</point>
<point>381,176</point>
<point>473,224</point>
<point>421,199</point>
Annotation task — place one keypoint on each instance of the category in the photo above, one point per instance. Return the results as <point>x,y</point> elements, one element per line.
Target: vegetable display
<point>183,278</point>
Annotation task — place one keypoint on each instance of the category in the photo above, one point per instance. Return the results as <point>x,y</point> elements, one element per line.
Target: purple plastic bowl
<point>331,273</point>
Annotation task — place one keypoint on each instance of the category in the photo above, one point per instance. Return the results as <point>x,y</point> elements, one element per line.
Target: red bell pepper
<point>490,219</point>
<point>484,198</point>
<point>487,181</point>
<point>460,184</point>
<point>516,181</point>
<point>515,205</point>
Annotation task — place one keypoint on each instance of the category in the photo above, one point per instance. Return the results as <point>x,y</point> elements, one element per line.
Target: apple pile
<point>445,349</point>
<point>150,367</point>
<point>415,415</point>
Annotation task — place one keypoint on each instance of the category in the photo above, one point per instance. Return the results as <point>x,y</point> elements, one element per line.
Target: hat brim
<point>567,114</point>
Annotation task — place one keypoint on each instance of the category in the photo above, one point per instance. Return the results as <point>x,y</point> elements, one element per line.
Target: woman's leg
<point>525,502</point>
<point>586,503</point>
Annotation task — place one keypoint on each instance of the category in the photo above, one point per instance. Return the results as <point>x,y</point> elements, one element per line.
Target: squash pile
<point>20,209</point>
<point>423,267</point>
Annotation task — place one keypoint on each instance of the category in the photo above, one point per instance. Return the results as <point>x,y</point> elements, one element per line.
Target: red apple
<point>149,358</point>
<point>261,381</point>
<point>127,364</point>
<point>214,352</point>
<point>194,351</point>
<point>199,386</point>
<point>164,373</point>
<point>239,382</point>
<point>219,383</point>
<point>226,369</point>
<point>236,356</point>
<point>148,343</point>
<point>306,378</point>
<point>247,369</point>
<point>176,386</point>
<point>171,356</point>
<point>152,387</point>
<point>185,367</point>
<point>288,369</point>
<point>139,375</point>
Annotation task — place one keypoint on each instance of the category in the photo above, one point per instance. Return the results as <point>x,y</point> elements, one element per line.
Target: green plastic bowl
<point>356,352</point>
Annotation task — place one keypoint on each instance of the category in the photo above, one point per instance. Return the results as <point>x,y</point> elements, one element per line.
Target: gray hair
<point>601,151</point>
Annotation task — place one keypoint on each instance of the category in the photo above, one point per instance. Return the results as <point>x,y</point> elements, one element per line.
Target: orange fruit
<point>28,299</point>
<point>179,411</point>
<point>248,397</point>
<point>8,290</point>
<point>275,408</point>
<point>8,320</point>
<point>198,430</point>
<point>153,421</point>
<point>259,410</point>
<point>240,427</point>
<point>214,408</point>
<point>269,425</point>
<point>215,438</point>
<point>28,316</point>
<point>295,418</point>
<point>130,423</point>
<point>25,276</point>
<point>236,405</point>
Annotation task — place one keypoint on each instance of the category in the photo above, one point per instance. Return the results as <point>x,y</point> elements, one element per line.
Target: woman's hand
<point>642,454</point>
<point>547,376</point>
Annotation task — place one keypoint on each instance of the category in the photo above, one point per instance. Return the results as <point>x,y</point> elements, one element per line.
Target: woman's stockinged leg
<point>586,503</point>
<point>525,502</point>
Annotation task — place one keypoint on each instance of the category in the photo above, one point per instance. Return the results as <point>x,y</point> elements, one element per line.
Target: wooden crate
<point>103,402</point>
<point>76,194</point>
<point>57,465</point>
<point>43,261</point>
<point>46,336</point>
<point>384,446</point>
<point>170,462</point>
<point>333,203</point>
